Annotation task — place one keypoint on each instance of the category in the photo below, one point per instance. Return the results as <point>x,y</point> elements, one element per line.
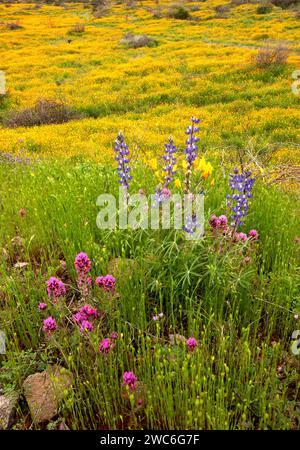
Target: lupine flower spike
<point>170,150</point>
<point>122,157</point>
<point>191,151</point>
<point>241,185</point>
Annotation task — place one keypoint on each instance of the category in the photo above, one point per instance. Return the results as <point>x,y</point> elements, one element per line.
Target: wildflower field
<point>140,327</point>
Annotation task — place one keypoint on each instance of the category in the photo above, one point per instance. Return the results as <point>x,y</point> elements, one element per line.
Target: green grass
<point>240,313</point>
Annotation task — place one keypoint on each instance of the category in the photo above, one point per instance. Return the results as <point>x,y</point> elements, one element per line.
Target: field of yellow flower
<point>202,66</point>
<point>149,262</point>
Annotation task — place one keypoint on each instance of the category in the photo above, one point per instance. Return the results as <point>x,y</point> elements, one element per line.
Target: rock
<point>20,265</point>
<point>8,403</point>
<point>137,40</point>
<point>44,391</point>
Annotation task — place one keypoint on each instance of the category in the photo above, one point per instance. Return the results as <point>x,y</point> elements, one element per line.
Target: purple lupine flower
<point>191,150</point>
<point>130,380</point>
<point>123,153</point>
<point>55,288</point>
<point>191,344</point>
<point>253,234</point>
<point>107,282</point>
<point>49,325</point>
<point>191,224</point>
<point>42,306</point>
<point>82,263</point>
<point>241,185</point>
<point>106,345</point>
<point>170,159</point>
<point>86,326</point>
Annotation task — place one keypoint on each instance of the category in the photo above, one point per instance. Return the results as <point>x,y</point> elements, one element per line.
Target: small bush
<point>285,3</point>
<point>44,112</point>
<point>241,2</point>
<point>264,9</point>
<point>137,40</point>
<point>14,26</point>
<point>179,13</point>
<point>78,28</point>
<point>271,56</point>
<point>221,11</point>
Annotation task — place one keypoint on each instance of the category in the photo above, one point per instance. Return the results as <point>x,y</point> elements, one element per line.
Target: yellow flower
<point>157,174</point>
<point>184,164</point>
<point>177,183</point>
<point>153,163</point>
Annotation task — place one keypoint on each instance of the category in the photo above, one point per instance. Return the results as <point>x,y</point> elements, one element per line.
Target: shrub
<point>137,40</point>
<point>179,13</point>
<point>285,3</point>
<point>44,112</point>
<point>221,11</point>
<point>78,28</point>
<point>271,56</point>
<point>264,9</point>
<point>14,26</point>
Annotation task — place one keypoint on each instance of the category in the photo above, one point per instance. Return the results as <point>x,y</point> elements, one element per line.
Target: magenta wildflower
<point>82,263</point>
<point>114,335</point>
<point>78,317</point>
<point>42,306</point>
<point>253,234</point>
<point>49,325</point>
<point>242,237</point>
<point>88,311</point>
<point>214,221</point>
<point>86,326</point>
<point>130,380</point>
<point>158,316</point>
<point>220,222</point>
<point>55,288</point>
<point>107,282</point>
<point>22,212</point>
<point>223,221</point>
<point>191,344</point>
<point>106,345</point>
